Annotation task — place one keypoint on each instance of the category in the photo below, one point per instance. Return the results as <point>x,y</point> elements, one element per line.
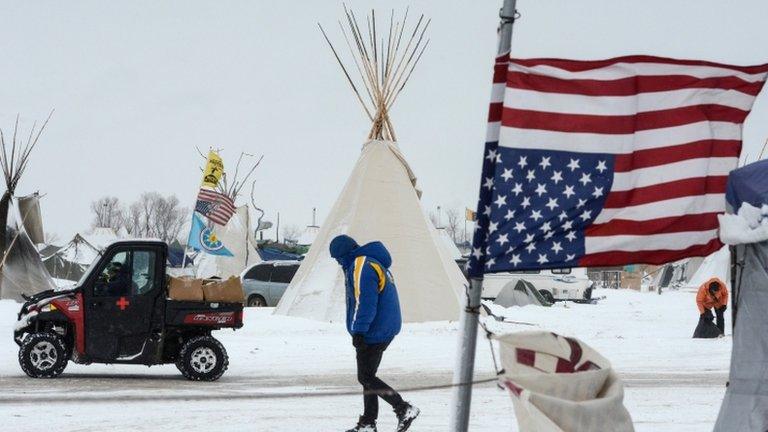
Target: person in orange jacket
<point>713,295</point>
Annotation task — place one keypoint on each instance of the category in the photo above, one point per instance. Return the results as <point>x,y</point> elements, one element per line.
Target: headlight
<point>48,308</point>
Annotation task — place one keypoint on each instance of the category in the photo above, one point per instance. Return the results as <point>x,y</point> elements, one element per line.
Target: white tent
<point>447,242</point>
<point>237,237</point>
<point>379,202</point>
<point>716,265</point>
<point>308,236</point>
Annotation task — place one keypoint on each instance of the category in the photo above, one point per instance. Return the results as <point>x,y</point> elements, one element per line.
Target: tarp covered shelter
<point>273,254</point>
<point>745,227</point>
<point>70,261</point>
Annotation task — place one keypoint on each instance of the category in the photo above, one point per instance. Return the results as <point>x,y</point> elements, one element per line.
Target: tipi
<point>21,269</point>
<point>380,200</point>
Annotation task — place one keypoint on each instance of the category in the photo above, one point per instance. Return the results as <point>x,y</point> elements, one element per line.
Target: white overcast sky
<point>137,85</point>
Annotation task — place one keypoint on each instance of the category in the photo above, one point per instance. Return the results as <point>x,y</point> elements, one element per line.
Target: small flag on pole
<point>608,162</point>
<point>214,169</point>
<point>216,206</point>
<point>470,215</point>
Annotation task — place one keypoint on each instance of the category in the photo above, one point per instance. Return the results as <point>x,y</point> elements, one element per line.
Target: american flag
<point>608,162</point>
<point>216,206</point>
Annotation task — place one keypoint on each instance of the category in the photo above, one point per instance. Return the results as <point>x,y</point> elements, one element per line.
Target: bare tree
<point>154,215</point>
<point>169,218</point>
<point>454,223</point>
<point>291,233</point>
<point>107,213</point>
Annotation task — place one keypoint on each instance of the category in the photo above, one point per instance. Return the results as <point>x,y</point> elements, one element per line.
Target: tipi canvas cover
<point>379,202</point>
<point>22,271</point>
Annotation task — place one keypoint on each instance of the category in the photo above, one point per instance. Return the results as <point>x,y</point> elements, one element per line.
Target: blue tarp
<point>176,257</point>
<point>748,184</point>
<point>272,254</point>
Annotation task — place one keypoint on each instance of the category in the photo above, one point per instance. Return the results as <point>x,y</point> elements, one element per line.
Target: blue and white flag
<point>203,238</point>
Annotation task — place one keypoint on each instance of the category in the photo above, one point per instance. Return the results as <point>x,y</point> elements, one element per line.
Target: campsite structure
<point>429,281</point>
<point>21,268</point>
<point>235,233</point>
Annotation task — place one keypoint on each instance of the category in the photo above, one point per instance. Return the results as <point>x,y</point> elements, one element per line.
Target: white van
<point>555,284</point>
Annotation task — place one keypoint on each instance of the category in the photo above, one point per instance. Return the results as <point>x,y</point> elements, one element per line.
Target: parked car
<point>556,284</point>
<point>265,283</point>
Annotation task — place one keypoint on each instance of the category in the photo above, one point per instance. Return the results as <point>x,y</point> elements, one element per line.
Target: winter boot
<point>364,426</point>
<point>406,414</point>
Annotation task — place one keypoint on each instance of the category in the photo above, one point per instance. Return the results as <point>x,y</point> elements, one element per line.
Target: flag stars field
<point>610,172</point>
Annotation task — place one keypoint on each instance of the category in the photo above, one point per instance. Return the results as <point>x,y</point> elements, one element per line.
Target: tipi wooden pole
<point>464,372</point>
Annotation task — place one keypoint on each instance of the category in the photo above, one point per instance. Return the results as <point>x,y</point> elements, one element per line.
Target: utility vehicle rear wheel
<point>43,355</point>
<point>202,358</point>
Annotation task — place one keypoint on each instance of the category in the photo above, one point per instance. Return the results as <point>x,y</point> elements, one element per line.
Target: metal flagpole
<point>464,372</point>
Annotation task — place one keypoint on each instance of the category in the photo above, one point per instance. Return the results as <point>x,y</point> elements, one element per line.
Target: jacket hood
<point>715,279</point>
<point>375,250</point>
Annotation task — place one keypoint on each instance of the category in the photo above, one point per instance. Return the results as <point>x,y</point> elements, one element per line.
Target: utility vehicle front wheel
<point>43,355</point>
<point>202,358</point>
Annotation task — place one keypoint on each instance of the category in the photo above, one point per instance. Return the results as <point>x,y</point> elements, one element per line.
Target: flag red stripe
<point>584,65</point>
<point>627,86</point>
<point>676,153</point>
<point>495,111</point>
<point>668,225</point>
<point>614,258</point>
<point>216,197</point>
<point>665,191</point>
<point>621,124</point>
<point>500,72</point>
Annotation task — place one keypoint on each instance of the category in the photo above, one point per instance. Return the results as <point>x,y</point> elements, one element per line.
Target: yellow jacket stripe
<point>356,276</point>
<point>380,273</point>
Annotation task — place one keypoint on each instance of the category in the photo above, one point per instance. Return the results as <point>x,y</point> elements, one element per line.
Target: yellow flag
<point>470,215</point>
<point>214,168</point>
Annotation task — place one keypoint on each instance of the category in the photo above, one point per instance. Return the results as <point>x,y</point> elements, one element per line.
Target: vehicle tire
<point>547,296</point>
<point>256,301</point>
<point>202,358</point>
<point>43,355</point>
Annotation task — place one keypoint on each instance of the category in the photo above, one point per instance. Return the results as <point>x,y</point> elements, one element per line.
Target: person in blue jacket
<point>373,320</point>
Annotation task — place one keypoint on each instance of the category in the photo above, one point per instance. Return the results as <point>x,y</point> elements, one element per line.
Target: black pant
<point>720,319</point>
<point>368,360</point>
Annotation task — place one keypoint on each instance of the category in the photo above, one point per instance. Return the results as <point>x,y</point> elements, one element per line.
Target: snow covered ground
<point>280,366</point>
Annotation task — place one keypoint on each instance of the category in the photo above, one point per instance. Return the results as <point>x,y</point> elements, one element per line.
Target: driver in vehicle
<point>115,280</point>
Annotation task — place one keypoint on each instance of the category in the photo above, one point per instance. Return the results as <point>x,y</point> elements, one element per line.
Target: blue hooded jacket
<point>373,307</point>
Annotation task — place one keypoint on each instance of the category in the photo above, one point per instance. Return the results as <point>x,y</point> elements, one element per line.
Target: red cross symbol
<point>122,303</point>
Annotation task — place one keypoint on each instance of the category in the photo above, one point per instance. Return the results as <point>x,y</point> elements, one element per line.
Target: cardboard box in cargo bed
<point>185,289</point>
<point>224,291</point>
